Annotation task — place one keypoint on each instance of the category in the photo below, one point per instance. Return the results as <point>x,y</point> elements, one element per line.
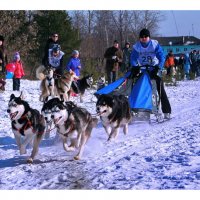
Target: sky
<point>180,23</point>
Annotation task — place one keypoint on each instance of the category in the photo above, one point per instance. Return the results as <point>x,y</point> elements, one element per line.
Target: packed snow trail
<point>151,156</point>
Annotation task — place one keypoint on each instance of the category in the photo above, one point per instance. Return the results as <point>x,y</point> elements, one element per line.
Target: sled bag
<point>141,94</point>
<point>112,86</point>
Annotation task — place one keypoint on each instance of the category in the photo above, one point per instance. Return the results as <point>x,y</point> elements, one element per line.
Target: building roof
<point>180,40</point>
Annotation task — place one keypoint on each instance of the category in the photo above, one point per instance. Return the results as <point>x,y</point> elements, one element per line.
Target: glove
<point>155,70</point>
<point>134,72</point>
<point>114,57</point>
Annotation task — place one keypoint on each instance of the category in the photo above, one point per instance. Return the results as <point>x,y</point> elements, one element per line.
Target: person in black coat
<point>114,58</point>
<point>51,42</point>
<point>3,63</point>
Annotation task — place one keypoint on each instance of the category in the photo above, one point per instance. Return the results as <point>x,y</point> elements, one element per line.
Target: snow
<point>151,157</point>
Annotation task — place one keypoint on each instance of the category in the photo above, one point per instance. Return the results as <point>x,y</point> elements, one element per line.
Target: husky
<point>101,82</point>
<point>59,86</point>
<point>81,85</point>
<point>73,123</point>
<point>114,112</point>
<point>27,123</point>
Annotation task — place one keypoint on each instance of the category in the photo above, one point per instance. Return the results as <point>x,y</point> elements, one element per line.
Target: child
<point>74,65</point>
<point>18,72</point>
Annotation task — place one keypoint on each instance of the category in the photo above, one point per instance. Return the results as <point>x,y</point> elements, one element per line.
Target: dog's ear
<point>62,98</point>
<point>12,96</point>
<point>22,96</point>
<point>46,99</point>
<point>91,74</point>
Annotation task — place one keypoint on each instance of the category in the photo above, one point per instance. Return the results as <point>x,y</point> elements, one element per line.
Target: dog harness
<point>70,125</point>
<point>27,124</point>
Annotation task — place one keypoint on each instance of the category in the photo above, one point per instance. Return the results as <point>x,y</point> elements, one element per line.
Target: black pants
<point>165,105</point>
<point>16,84</point>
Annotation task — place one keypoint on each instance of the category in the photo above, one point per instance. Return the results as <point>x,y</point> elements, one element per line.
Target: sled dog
<point>114,112</point>
<point>101,82</point>
<point>27,123</point>
<point>81,85</point>
<point>59,86</point>
<point>73,123</point>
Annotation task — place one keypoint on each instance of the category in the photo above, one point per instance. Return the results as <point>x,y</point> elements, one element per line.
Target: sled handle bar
<point>146,67</point>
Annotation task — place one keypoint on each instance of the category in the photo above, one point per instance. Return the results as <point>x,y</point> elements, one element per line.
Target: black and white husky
<point>101,82</point>
<point>81,85</point>
<point>27,123</point>
<point>73,123</point>
<point>114,112</point>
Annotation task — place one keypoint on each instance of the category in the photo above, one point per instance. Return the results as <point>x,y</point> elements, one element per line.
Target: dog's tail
<point>40,72</point>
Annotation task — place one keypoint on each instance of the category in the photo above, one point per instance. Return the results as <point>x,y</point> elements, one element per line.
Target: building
<point>179,45</point>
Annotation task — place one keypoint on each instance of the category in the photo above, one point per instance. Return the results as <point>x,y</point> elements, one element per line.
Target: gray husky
<point>73,123</point>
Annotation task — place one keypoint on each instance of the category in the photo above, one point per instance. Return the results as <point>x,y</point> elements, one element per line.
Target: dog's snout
<point>8,110</point>
<point>52,116</point>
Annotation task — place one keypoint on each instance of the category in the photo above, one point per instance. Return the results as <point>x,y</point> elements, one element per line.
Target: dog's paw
<point>30,161</point>
<point>70,149</point>
<point>76,157</point>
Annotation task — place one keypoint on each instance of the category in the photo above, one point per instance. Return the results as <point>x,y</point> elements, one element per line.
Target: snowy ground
<point>154,157</point>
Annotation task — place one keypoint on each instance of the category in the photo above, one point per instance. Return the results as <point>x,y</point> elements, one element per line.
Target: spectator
<point>114,58</point>
<point>55,60</point>
<point>193,61</point>
<point>74,64</point>
<point>18,71</point>
<point>3,63</point>
<point>169,63</point>
<point>181,66</point>
<point>198,64</point>
<point>54,40</point>
<point>187,66</point>
<point>126,58</point>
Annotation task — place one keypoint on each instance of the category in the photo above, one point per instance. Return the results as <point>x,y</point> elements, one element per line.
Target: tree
<point>49,22</point>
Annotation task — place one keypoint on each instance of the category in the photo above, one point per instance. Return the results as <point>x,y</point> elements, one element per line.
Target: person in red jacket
<point>18,72</point>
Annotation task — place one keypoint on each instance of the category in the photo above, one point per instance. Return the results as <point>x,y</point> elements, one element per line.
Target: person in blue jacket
<point>187,66</point>
<point>74,64</point>
<point>149,52</point>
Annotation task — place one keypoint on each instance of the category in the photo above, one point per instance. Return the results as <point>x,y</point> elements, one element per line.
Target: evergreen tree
<point>49,22</point>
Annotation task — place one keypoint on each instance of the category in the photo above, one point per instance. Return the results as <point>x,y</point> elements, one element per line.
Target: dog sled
<point>141,92</point>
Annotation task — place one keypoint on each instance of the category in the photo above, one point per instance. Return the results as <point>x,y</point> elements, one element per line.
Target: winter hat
<point>56,48</point>
<point>144,32</point>
<point>16,56</point>
<point>127,43</point>
<point>75,52</point>
<point>1,38</point>
<point>115,41</point>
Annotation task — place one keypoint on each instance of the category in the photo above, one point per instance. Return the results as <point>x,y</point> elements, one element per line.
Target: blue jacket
<point>73,65</point>
<point>147,54</point>
<point>186,63</point>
